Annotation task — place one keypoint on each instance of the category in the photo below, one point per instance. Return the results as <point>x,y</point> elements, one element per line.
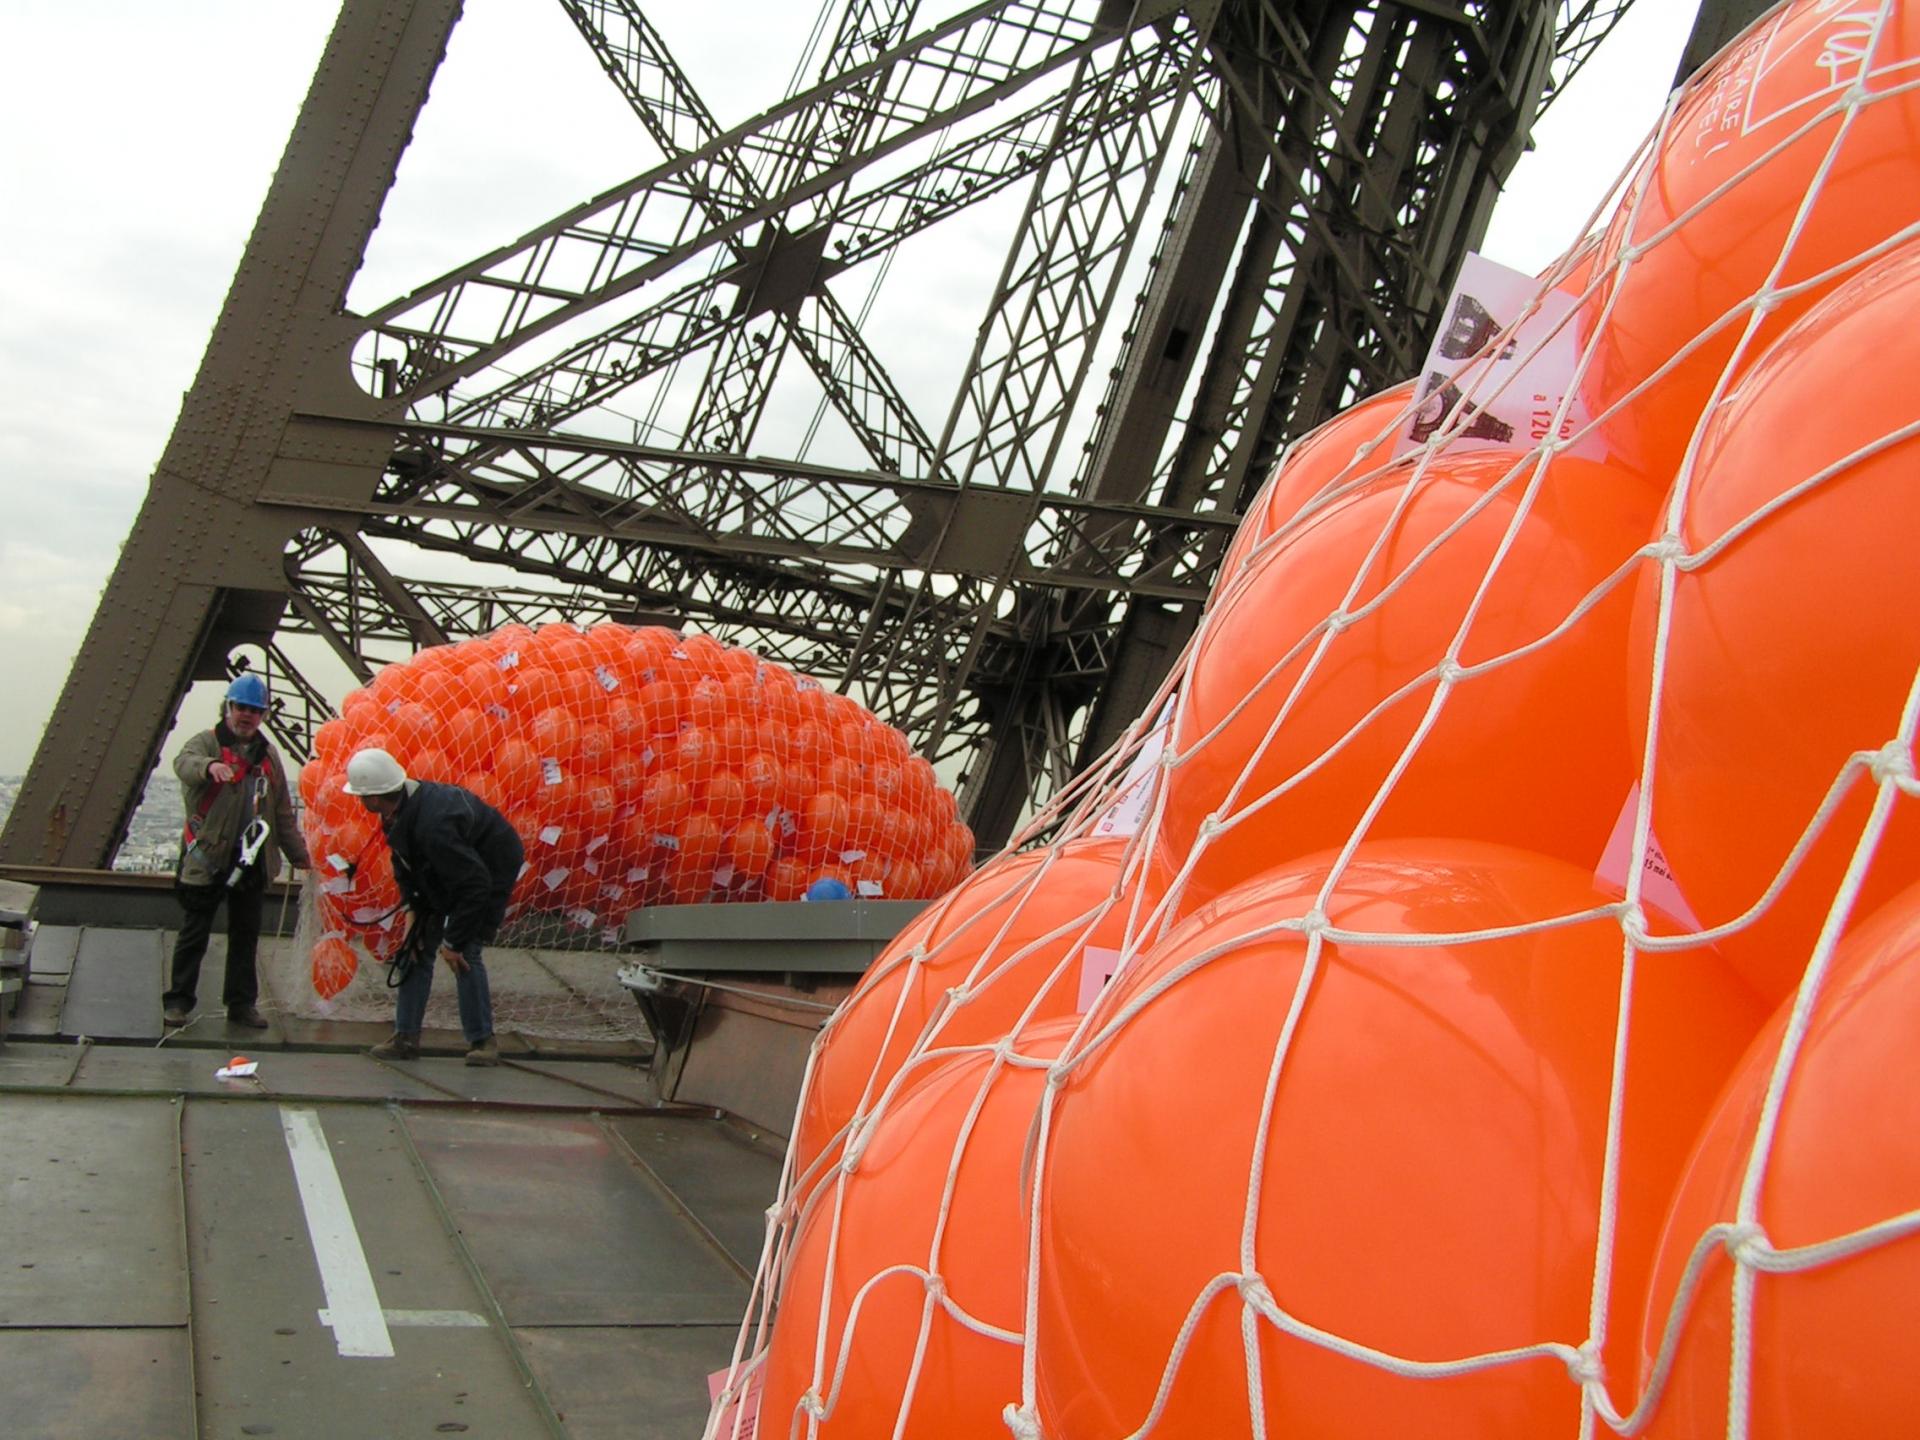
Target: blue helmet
<point>248,689</point>
<point>827,887</point>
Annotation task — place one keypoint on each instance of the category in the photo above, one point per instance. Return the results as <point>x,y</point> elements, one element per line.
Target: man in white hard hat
<point>456,859</point>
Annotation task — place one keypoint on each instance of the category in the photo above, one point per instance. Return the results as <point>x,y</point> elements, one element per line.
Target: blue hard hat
<point>827,888</point>
<point>248,689</point>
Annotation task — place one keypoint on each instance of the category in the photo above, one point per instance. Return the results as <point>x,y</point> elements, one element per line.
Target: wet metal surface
<point>338,1246</point>
<point>101,1384</point>
<point>90,1198</point>
<point>526,1194</point>
<point>115,985</point>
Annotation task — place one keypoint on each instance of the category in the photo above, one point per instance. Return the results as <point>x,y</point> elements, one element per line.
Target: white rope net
<point>1344,1055</point>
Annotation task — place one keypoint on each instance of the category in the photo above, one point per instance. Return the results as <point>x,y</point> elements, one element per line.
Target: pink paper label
<point>1658,888</point>
<point>741,1419</point>
<point>1096,968</point>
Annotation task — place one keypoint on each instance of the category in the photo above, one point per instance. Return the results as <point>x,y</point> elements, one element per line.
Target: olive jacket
<point>218,813</point>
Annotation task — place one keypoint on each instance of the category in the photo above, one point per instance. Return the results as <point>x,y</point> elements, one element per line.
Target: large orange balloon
<point>1751,122</point>
<point>1354,443</point>
<point>1431,1171</point>
<point>887,1218</point>
<point>1533,752</point>
<point>1796,644</point>
<point>1002,934</point>
<point>1831,1343</point>
<point>333,966</point>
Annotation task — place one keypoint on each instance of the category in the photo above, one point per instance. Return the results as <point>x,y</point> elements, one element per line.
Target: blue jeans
<point>476,1000</point>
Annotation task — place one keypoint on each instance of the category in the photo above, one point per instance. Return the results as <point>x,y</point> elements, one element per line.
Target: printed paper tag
<point>340,863</point>
<point>583,918</point>
<point>608,680</point>
<point>723,875</point>
<point>868,889</point>
<point>551,770</point>
<point>555,877</point>
<point>595,843</point>
<point>240,1069</point>
<point>550,835</point>
<point>1657,885</point>
<point>1097,965</point>
<point>1123,817</point>
<point>1510,395</point>
<point>510,659</point>
<point>740,1419</point>
<point>849,857</point>
<point>637,875</point>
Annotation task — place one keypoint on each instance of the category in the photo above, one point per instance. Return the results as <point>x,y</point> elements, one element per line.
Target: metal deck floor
<point>343,1247</point>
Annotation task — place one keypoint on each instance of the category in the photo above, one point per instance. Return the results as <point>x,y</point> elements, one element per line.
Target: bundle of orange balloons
<point>640,767</point>
<point>1310,1073</point>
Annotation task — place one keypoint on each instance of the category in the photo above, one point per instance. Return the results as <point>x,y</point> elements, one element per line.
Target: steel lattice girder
<point>971,583</point>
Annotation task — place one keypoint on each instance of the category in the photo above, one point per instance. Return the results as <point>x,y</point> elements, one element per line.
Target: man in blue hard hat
<point>239,818</point>
<point>455,860</point>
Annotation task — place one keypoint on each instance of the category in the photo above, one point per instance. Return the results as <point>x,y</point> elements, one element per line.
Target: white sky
<point>138,138</point>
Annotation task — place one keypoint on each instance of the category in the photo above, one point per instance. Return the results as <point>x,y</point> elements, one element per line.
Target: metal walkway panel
<point>114,991</point>
<point>54,947</point>
<point>632,1083</point>
<point>507,1084</point>
<point>33,1065</point>
<point>92,1213</point>
<point>721,1173</point>
<point>526,1192</point>
<point>646,1383</point>
<point>101,1384</point>
<point>269,1258</point>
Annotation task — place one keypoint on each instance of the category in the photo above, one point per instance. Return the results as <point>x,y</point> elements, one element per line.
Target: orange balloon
<point>891,1215</point>
<point>665,802</point>
<point>1531,752</point>
<point>532,689</point>
<point>412,725</point>
<point>825,824</point>
<point>1432,1164</point>
<point>331,742</point>
<point>1329,458</point>
<point>517,767</point>
<point>750,849</point>
<point>697,754</point>
<point>1748,122</point>
<point>472,735</point>
<point>1795,645</point>
<point>333,966</point>
<point>788,879</point>
<point>701,837</point>
<point>1012,936</point>
<point>1831,1343</point>
<point>555,734</point>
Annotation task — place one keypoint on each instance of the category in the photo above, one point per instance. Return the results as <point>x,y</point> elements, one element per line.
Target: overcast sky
<point>138,138</point>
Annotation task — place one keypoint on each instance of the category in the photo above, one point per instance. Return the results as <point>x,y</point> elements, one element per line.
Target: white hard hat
<point>373,772</point>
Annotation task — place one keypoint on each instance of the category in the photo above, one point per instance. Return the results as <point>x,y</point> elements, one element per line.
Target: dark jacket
<point>455,857</point>
<point>217,813</point>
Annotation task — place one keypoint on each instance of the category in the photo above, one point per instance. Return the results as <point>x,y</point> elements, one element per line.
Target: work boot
<point>176,1017</point>
<point>247,1017</point>
<point>487,1052</point>
<point>396,1047</point>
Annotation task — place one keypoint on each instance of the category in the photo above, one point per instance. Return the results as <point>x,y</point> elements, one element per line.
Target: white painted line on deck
<point>425,1319</point>
<point>353,1305</point>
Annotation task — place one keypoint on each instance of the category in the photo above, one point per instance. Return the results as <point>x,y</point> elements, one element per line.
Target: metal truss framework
<point>1233,217</point>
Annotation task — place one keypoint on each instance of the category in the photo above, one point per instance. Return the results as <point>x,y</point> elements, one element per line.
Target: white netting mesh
<point>1344,1055</point>
<point>639,766</point>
